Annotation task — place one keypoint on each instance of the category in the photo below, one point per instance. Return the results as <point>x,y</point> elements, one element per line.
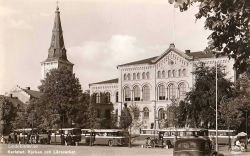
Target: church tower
<point>57,54</point>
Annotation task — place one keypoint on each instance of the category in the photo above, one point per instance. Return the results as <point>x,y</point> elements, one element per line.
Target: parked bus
<point>22,134</point>
<point>84,132</point>
<point>107,137</point>
<point>224,136</point>
<point>168,136</point>
<point>54,136</point>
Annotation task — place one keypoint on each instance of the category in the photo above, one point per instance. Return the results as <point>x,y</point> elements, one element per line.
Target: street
<point>136,150</point>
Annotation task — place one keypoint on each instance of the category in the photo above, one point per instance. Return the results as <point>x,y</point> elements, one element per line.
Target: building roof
<point>14,100</point>
<point>107,81</point>
<point>145,61</point>
<point>195,55</point>
<point>33,93</point>
<point>200,54</point>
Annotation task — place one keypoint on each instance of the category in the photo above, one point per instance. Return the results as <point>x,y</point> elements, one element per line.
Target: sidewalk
<point>224,150</point>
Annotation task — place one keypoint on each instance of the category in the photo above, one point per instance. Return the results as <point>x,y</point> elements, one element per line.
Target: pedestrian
<point>15,138</point>
<point>62,140</point>
<point>49,137</point>
<point>70,140</point>
<point>67,140</point>
<point>28,138</point>
<point>9,139</point>
<point>37,138</point>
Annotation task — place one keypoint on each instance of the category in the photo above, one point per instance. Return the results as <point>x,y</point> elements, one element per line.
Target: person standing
<point>15,138</point>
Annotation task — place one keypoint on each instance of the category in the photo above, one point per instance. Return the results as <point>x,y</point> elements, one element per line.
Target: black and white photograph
<point>124,77</point>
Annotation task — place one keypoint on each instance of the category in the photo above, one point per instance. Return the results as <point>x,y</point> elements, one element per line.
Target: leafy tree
<point>125,118</point>
<point>7,113</point>
<point>229,21</point>
<point>183,109</point>
<point>173,113</point>
<point>202,96</point>
<point>62,96</point>
<point>230,115</point>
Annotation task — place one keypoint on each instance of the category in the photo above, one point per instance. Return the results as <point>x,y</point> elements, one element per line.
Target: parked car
<point>193,147</point>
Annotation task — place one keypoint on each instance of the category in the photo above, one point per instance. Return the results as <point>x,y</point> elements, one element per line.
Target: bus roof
<point>182,130</point>
<point>214,130</point>
<point>106,130</point>
<point>25,129</point>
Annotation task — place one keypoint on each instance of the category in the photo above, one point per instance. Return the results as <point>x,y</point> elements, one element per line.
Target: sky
<point>98,36</point>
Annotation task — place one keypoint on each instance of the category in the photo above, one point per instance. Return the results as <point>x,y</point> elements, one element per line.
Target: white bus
<point>107,137</point>
<point>224,136</point>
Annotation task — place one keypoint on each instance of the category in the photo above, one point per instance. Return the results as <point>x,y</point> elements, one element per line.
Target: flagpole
<point>216,101</point>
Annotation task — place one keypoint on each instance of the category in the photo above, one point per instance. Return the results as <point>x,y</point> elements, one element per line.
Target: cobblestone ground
<point>58,150</point>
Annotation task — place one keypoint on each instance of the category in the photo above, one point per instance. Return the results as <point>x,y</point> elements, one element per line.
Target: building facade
<point>151,84</point>
<point>57,53</point>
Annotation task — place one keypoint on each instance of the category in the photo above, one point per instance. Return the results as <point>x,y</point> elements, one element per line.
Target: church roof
<point>107,81</point>
<point>14,100</point>
<point>57,49</point>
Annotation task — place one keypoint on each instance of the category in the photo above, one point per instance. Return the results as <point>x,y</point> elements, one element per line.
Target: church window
<point>137,93</point>
<point>163,74</point>
<point>138,76</point>
<point>146,93</point>
<point>184,72</point>
<point>161,92</point>
<point>145,113</point>
<point>169,73</point>
<point>172,91</point>
<point>159,74</point>
<point>134,76</point>
<point>182,91</point>
<point>143,75</point>
<point>127,94</point>
<point>161,114</point>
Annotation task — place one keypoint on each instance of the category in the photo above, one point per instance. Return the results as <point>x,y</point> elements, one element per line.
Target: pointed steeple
<point>57,48</point>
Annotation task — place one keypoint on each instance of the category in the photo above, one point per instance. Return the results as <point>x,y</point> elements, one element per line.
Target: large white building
<point>150,84</point>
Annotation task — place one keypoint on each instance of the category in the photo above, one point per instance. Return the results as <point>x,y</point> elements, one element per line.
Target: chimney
<point>10,95</point>
<point>171,45</point>
<point>28,88</point>
<point>187,51</point>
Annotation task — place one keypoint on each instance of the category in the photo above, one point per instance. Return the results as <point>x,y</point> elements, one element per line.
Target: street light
<point>216,101</point>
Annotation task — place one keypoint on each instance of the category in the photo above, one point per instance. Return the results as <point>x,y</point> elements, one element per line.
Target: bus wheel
<point>110,143</point>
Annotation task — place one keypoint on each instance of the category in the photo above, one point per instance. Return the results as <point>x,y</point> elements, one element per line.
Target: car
<point>193,147</point>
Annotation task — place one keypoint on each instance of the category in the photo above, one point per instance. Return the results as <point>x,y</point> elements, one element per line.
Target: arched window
<point>148,75</point>
<point>137,93</point>
<point>163,74</point>
<point>182,91</point>
<point>136,113</point>
<point>138,76</point>
<point>159,74</point>
<point>143,75</point>
<point>161,92</point>
<point>172,91</point>
<point>116,97</point>
<point>145,113</point>
<point>173,73</point>
<point>98,98</point>
<point>125,77</point>
<point>107,97</point>
<point>134,76</point>
<point>179,73</point>
<point>127,94</point>
<point>184,72</point>
<point>146,93</point>
<point>169,73</point>
<point>161,114</point>
<point>129,76</point>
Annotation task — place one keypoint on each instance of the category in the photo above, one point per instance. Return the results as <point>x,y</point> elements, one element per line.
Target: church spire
<point>57,48</point>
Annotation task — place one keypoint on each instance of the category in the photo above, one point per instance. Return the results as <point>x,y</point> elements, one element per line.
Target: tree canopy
<point>229,21</point>
<point>62,98</point>
<point>202,96</point>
